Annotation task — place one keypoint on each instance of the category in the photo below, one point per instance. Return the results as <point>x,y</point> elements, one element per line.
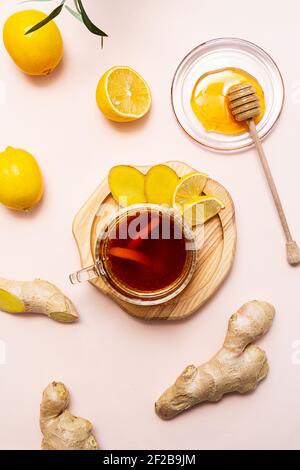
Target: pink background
<point>114,365</point>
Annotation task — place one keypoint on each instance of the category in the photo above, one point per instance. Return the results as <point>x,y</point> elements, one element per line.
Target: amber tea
<point>147,252</point>
<point>145,255</point>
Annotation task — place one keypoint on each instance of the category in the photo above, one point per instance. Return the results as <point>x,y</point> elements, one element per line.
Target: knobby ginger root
<point>62,430</point>
<point>36,297</point>
<point>237,367</point>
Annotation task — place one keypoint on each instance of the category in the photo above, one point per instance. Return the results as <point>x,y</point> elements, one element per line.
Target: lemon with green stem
<point>36,53</point>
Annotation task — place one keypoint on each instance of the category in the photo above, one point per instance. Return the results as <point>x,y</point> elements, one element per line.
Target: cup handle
<point>91,272</point>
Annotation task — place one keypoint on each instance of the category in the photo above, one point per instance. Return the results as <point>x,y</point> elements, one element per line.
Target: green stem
<point>77,6</point>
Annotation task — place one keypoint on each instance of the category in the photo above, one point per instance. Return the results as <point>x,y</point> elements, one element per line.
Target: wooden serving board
<point>214,259</point>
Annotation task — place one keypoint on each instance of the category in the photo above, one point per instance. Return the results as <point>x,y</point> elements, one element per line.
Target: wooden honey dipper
<point>244,105</point>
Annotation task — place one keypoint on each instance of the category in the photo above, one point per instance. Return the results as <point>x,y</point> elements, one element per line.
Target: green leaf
<point>74,13</point>
<point>76,6</point>
<point>47,20</point>
<point>88,23</point>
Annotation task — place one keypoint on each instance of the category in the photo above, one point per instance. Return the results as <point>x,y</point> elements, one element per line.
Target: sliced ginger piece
<point>10,303</point>
<point>126,184</point>
<point>36,297</point>
<point>145,233</point>
<point>160,184</point>
<point>130,255</point>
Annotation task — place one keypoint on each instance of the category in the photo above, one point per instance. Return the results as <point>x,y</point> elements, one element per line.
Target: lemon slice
<point>123,95</point>
<point>201,209</point>
<point>189,188</point>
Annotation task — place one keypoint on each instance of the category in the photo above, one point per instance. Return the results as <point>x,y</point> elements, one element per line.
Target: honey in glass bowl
<point>209,101</point>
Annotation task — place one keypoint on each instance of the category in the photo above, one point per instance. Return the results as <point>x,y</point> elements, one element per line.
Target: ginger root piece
<point>62,430</point>
<point>237,367</point>
<point>160,184</point>
<point>126,184</point>
<point>36,297</point>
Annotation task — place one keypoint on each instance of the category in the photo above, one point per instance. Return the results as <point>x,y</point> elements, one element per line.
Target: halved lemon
<point>201,209</point>
<point>189,188</point>
<point>123,95</point>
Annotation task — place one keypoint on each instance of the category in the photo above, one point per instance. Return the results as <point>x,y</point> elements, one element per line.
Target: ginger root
<point>237,367</point>
<point>36,297</point>
<point>62,430</point>
<point>126,184</point>
<point>160,184</point>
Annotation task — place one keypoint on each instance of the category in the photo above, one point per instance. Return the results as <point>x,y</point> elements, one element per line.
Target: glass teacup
<point>146,255</point>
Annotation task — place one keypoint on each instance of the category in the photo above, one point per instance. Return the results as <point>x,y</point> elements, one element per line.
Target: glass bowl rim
<point>211,148</point>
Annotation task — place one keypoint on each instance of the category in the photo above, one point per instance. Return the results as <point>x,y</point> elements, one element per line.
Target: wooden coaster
<point>214,259</point>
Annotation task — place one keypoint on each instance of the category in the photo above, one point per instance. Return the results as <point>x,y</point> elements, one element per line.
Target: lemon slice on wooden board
<point>201,209</point>
<point>126,185</point>
<point>189,188</point>
<point>160,184</point>
<point>123,95</point>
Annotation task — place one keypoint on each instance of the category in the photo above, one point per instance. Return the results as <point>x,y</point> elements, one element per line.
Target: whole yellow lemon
<point>21,181</point>
<point>37,53</point>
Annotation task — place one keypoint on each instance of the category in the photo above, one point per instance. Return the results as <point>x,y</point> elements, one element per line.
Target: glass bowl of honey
<point>202,81</point>
<point>146,255</point>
